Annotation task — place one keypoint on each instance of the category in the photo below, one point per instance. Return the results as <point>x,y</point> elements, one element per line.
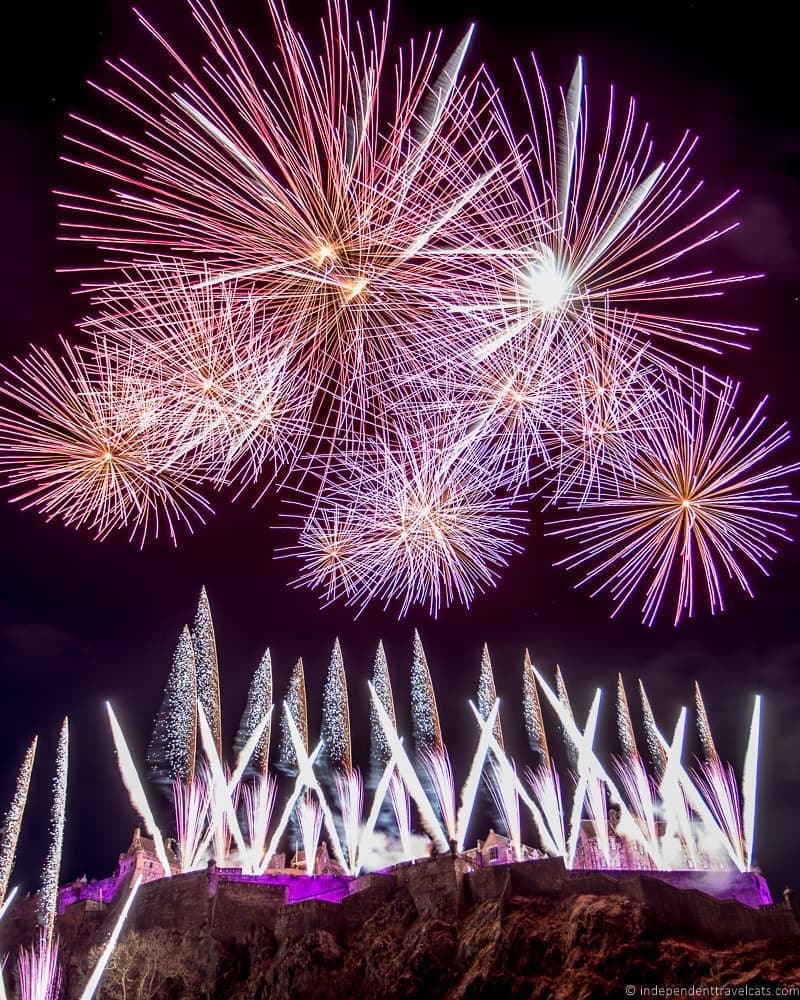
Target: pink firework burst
<point>602,223</point>
<point>702,503</point>
<point>413,522</point>
<point>336,186</point>
<point>80,442</point>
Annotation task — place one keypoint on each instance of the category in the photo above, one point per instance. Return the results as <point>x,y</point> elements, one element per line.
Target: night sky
<point>81,621</point>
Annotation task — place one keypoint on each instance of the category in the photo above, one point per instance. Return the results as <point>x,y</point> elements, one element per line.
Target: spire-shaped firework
<point>426,728</point>
<point>380,751</point>
<point>563,697</point>
<point>657,752</point>
<point>259,699</point>
<point>336,714</point>
<point>298,709</point>
<point>532,709</point>
<point>704,728</point>
<point>48,895</point>
<point>627,737</point>
<point>487,694</point>
<point>173,745</point>
<point>205,654</point>
<point>12,821</point>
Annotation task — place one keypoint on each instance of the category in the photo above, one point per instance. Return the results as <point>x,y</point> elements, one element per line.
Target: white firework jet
<point>12,821</point>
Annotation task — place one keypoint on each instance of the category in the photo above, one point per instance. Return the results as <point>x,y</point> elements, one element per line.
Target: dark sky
<point>81,622</point>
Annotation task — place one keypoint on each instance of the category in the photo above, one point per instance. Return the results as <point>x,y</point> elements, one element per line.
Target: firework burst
<point>703,504</point>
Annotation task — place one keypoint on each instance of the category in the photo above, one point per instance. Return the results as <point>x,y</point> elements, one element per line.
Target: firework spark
<point>704,505</point>
<point>12,821</point>
<point>172,750</point>
<point>97,973</point>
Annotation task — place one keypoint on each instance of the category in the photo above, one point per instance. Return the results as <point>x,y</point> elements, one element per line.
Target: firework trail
<point>380,752</point>
<point>223,811</point>
<point>258,706</point>
<point>12,821</point>
<point>224,398</point>
<point>97,974</point>
<point>192,805</point>
<point>296,708</point>
<point>172,750</point>
<point>632,773</point>
<point>470,790</point>
<point>532,711</point>
<point>408,775</point>
<point>425,726</point>
<point>135,789</point>
<point>655,744</point>
<point>299,787</point>
<point>77,443</point>
<point>704,728</point>
<point>350,794</point>
<point>750,781</point>
<point>47,904</point>
<point>704,505</point>
<point>546,787</point>
<point>205,656</point>
<point>336,714</point>
<point>259,804</point>
<point>487,693</point>
<point>401,807</point>
<point>604,227</point>
<point>309,820</point>
<point>38,969</point>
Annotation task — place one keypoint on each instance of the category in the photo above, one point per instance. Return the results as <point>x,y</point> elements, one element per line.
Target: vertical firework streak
<point>380,751</point>
<point>259,803</point>
<point>47,904</point>
<point>591,761</point>
<point>173,745</point>
<point>438,773</point>
<point>97,974</point>
<point>633,774</point>
<point>336,714</point>
<point>674,794</point>
<point>221,792</point>
<point>350,793</point>
<point>192,805</point>
<point>296,708</point>
<point>135,789</point>
<point>259,704</point>
<point>470,790</point>
<point>309,819</point>
<point>546,788</point>
<point>205,654</point>
<point>425,725</point>
<point>750,781</point>
<point>12,821</point>
<point>504,794</point>
<point>38,969</point>
<point>401,807</point>
<point>704,728</point>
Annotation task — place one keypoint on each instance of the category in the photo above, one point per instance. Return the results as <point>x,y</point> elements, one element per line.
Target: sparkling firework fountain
<point>12,821</point>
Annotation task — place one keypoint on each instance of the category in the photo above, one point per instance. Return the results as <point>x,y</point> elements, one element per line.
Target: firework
<point>532,710</point>
<point>296,708</point>
<point>487,693</point>
<point>470,789</point>
<point>409,776</point>
<point>222,803</point>
<point>336,714</point>
<point>546,787</point>
<point>192,804</point>
<point>330,187</point>
<point>259,705</point>
<point>133,784</point>
<point>259,803</point>
<point>604,228</point>
<point>38,969</point>
<point>77,443</point>
<point>171,754</point>
<point>401,807</point>
<point>425,725</point>
<point>381,682</point>
<point>205,656</point>
<point>12,821</point>
<point>350,793</point>
<point>97,973</point>
<point>48,896</point>
<point>309,819</point>
<point>750,781</point>
<point>704,504</point>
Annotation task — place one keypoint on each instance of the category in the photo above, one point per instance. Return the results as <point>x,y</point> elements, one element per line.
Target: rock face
<point>432,930</point>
